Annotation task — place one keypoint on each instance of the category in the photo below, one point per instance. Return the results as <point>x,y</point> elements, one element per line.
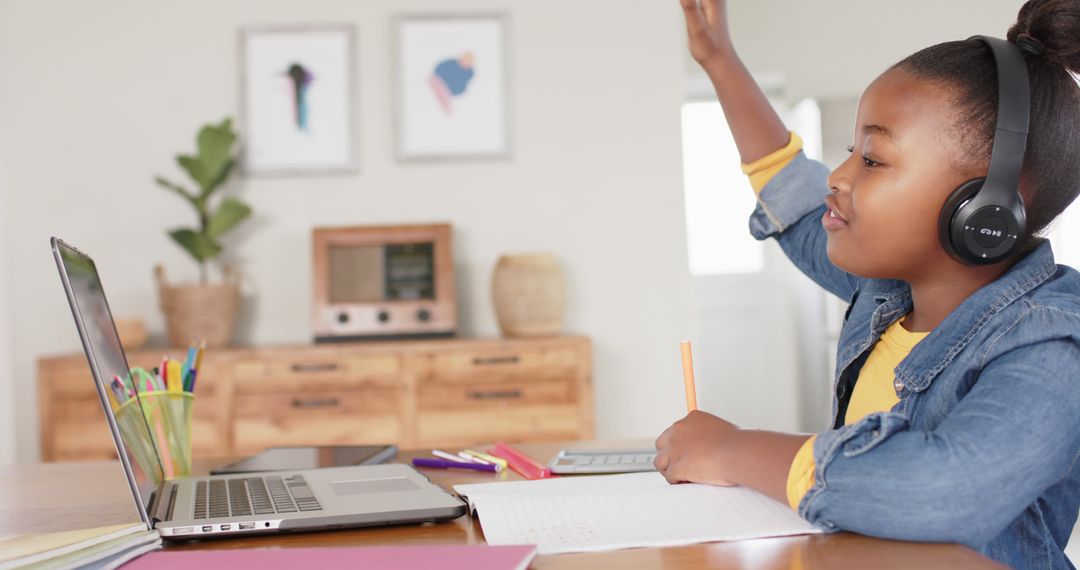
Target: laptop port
<point>183,530</point>
<point>247,526</point>
<point>208,528</point>
<point>226,527</point>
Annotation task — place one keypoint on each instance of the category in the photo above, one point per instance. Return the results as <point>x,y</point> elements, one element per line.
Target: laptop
<point>232,505</point>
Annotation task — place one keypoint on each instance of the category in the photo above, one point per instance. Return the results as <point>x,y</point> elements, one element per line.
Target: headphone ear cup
<point>948,223</point>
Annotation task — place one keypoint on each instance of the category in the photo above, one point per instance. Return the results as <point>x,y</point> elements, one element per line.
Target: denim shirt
<point>981,447</point>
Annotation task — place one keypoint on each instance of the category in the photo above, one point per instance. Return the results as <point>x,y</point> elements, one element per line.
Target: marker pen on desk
<point>520,462</point>
<point>486,457</point>
<point>447,456</point>
<point>473,459</point>
<point>446,464</point>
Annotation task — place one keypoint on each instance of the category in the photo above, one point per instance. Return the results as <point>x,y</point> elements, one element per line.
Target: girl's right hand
<point>707,29</point>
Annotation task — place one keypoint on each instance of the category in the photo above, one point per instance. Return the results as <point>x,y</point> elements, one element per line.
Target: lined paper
<point>586,514</point>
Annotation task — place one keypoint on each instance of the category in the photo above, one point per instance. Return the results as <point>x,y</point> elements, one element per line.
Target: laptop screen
<point>107,361</point>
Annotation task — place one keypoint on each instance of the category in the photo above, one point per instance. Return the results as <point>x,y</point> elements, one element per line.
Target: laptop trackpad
<point>365,486</point>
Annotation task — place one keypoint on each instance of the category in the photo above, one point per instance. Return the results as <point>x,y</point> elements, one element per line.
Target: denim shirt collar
<point>948,339</point>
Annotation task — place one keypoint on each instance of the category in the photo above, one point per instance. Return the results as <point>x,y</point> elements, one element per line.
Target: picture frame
<point>297,100</point>
<point>452,87</point>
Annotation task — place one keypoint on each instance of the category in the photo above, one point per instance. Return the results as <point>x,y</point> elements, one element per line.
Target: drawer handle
<point>315,367</point>
<point>315,403</point>
<point>495,394</point>
<point>495,360</point>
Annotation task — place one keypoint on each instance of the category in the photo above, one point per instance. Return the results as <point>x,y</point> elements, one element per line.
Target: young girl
<point>957,410</point>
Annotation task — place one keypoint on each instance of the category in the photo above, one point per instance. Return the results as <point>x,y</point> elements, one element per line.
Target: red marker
<point>520,462</point>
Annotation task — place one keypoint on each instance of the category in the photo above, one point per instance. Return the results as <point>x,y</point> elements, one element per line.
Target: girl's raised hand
<point>706,26</point>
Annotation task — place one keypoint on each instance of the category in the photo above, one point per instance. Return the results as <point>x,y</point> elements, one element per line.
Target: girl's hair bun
<point>1053,25</point>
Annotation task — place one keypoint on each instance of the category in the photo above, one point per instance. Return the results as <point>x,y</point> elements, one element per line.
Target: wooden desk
<point>63,496</point>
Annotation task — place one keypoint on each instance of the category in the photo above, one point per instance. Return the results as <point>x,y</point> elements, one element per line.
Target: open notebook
<point>580,514</point>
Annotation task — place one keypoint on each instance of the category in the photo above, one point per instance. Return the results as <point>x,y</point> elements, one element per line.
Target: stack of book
<point>101,547</point>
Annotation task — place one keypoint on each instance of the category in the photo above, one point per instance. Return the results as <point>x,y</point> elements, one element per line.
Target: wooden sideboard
<point>427,393</point>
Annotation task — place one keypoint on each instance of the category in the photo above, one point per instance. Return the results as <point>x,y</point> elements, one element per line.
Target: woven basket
<point>199,311</point>
<point>530,295</point>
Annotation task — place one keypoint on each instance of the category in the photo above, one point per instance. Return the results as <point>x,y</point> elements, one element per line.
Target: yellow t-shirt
<point>874,392</point>
<point>763,169</point>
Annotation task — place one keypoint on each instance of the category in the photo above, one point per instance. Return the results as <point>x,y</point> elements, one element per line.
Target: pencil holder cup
<point>156,427</point>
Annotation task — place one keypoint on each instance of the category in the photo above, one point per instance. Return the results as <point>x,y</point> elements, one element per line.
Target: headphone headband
<point>1014,108</point>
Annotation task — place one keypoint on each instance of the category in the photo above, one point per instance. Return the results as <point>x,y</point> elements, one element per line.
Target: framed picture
<point>451,87</point>
<point>296,100</point>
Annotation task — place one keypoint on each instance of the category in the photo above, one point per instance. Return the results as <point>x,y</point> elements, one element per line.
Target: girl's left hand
<point>693,449</point>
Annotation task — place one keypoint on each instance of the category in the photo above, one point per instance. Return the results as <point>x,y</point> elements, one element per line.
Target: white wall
<point>7,385</point>
<point>835,48</point>
<point>104,93</point>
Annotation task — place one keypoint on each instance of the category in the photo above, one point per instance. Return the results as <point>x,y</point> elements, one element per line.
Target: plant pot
<point>530,295</point>
<point>205,312</point>
<point>132,332</point>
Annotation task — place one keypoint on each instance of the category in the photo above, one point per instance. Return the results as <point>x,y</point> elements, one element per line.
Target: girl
<point>957,410</point>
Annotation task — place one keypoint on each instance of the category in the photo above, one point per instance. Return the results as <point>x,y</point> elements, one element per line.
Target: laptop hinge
<point>162,502</point>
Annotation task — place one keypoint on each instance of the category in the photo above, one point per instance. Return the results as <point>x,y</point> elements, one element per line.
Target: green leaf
<point>215,152</point>
<point>175,188</point>
<point>223,174</point>
<point>195,169</point>
<point>230,213</point>
<point>212,163</point>
<point>200,246</point>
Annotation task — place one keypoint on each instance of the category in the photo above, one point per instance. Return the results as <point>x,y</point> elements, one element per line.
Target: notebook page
<point>578,483</point>
<point>580,516</point>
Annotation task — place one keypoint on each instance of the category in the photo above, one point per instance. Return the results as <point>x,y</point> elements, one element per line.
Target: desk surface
<point>53,497</point>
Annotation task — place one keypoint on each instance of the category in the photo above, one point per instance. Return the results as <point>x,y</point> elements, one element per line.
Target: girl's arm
<point>789,205</point>
<point>1011,438</point>
<point>703,448</point>
<point>756,127</point>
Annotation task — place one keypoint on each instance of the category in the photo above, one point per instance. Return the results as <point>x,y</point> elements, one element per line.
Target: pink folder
<point>469,557</point>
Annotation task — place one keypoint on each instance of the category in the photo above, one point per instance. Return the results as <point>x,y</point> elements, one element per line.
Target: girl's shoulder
<point>1059,294</point>
<point>1046,313</point>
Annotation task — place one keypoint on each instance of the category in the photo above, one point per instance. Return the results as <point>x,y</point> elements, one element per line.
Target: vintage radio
<point>383,282</point>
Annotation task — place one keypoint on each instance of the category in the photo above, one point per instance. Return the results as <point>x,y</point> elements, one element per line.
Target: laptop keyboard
<point>247,496</point>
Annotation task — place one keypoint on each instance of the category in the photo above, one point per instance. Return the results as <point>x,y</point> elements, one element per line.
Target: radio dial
<point>383,316</point>
<point>423,315</point>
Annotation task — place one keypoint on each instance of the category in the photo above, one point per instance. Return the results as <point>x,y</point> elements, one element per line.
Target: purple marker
<point>444,464</point>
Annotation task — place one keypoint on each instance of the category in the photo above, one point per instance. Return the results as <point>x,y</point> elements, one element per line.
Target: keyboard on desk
<point>243,496</point>
<point>603,461</point>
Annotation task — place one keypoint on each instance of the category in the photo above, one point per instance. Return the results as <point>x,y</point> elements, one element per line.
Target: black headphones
<point>983,220</point>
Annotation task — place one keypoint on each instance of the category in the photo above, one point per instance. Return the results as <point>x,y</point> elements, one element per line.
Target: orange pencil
<point>688,376</point>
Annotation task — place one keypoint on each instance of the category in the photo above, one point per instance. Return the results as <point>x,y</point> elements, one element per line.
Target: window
<point>717,194</point>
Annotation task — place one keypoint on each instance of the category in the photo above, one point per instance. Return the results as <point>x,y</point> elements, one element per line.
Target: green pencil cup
<point>156,427</point>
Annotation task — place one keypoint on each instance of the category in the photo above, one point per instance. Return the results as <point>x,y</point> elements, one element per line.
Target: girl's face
<point>886,197</point>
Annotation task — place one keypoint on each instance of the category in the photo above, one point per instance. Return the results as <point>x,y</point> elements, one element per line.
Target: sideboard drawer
<point>289,373</point>
<point>485,396</point>
<point>79,430</point>
<point>315,418</point>
<point>499,364</point>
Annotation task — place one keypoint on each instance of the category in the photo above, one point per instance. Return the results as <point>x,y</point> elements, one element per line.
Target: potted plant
<point>204,310</point>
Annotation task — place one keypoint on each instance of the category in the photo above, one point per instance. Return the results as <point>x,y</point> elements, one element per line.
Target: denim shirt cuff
<point>795,191</point>
<point>849,441</point>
